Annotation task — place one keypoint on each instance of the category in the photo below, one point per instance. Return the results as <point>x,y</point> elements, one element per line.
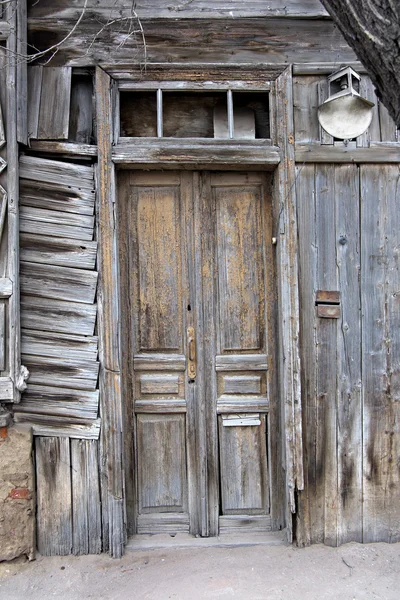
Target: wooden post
<point>287,277</point>
<point>111,439</point>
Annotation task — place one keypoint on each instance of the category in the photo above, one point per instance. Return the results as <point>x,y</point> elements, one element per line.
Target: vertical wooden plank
<point>322,96</point>
<point>86,518</point>
<point>111,441</point>
<point>380,352</point>
<point>126,225</point>
<point>2,335</point>
<point>18,374</point>
<point>34,92</point>
<point>349,415</point>
<point>305,105</point>
<point>81,111</point>
<point>388,126</point>
<point>373,133</point>
<point>309,518</point>
<point>54,503</point>
<point>22,75</point>
<point>287,277</point>
<point>55,103</point>
<point>326,354</point>
<point>204,224</point>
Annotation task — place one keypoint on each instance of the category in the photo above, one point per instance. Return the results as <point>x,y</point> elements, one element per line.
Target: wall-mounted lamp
<point>345,114</point>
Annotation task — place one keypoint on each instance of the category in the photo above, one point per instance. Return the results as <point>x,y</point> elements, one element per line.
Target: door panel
<point>197,264</point>
<point>161,463</point>
<point>244,477</point>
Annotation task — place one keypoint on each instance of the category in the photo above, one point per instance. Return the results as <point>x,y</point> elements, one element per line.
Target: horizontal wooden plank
<point>195,86</point>
<point>56,315</point>
<point>167,152</point>
<point>65,148</point>
<point>316,153</point>
<point>6,388</point>
<point>55,196</point>
<point>324,68</point>
<point>163,523</point>
<point>160,406</point>
<point>277,41</point>
<point>327,311</point>
<point>57,401</point>
<point>53,171</point>
<point>61,372</point>
<point>60,426</point>
<point>159,384</point>
<point>238,404</point>
<point>195,73</point>
<point>327,297</point>
<point>71,347</point>
<point>159,362</point>
<point>165,9</point>
<point>58,283</point>
<point>50,250</point>
<point>242,384</point>
<point>56,223</point>
<point>244,524</point>
<point>6,287</point>
<point>241,362</point>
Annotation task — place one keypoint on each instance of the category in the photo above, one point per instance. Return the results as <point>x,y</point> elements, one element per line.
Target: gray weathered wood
<point>349,411</point>
<point>61,427</point>
<point>380,352</point>
<point>377,153</point>
<point>58,283</point>
<point>68,197</point>
<point>4,30</point>
<point>34,92</point>
<point>56,315</point>
<point>305,104</point>
<point>22,76</point>
<point>257,40</point>
<point>55,99</point>
<point>58,401</point>
<point>54,502</point>
<point>86,514</point>
<point>160,406</point>
<point>45,370</point>
<point>64,148</point>
<point>58,251</point>
<point>151,362</point>
<point>221,153</point>
<point>56,223</point>
<point>287,277</point>
<point>2,336</point>
<point>232,404</point>
<point>60,173</point>
<point>111,441</point>
<point>238,362</point>
<point>81,111</point>
<point>71,347</point>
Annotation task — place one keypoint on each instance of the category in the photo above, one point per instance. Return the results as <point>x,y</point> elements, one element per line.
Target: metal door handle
<point>191,344</point>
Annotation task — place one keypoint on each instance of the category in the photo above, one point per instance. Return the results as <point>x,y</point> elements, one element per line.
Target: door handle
<point>191,346</point>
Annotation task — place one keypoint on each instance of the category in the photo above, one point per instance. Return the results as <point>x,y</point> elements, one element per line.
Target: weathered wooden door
<point>200,298</point>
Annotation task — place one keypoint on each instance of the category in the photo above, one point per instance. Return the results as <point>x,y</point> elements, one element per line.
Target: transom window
<point>195,113</point>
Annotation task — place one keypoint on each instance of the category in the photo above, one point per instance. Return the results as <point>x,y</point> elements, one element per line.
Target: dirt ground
<point>277,572</point>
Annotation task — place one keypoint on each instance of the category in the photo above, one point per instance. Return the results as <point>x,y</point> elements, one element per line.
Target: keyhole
<point>189,308</point>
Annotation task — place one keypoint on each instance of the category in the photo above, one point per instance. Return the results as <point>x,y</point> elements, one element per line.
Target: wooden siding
<point>348,234</point>
<point>58,284</point>
<point>186,40</point>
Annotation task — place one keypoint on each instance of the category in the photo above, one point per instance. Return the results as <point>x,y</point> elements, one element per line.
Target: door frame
<point>115,461</point>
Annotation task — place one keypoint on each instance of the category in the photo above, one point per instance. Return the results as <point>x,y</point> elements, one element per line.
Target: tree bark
<point>372,29</point>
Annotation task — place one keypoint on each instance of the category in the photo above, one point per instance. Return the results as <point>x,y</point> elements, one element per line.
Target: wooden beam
<point>288,294</point>
<point>378,152</point>
<point>67,148</point>
<point>213,153</point>
<point>111,441</point>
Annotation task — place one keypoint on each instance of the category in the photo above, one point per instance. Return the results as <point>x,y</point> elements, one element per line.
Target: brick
<point>20,494</point>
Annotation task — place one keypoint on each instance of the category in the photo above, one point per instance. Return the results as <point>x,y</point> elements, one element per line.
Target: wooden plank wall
<point>191,35</point>
<point>58,315</point>
<point>348,241</point>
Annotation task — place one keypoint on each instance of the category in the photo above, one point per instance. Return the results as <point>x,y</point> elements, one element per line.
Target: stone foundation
<point>17,493</point>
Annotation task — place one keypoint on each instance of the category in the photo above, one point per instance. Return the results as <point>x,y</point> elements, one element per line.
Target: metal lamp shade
<point>345,117</point>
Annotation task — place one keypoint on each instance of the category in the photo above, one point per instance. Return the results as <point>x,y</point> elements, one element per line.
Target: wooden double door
<point>198,305</point>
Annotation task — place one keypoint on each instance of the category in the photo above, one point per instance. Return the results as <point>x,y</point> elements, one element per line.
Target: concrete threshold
<point>225,540</point>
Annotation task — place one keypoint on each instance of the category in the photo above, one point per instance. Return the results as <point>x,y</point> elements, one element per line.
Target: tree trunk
<point>372,29</point>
